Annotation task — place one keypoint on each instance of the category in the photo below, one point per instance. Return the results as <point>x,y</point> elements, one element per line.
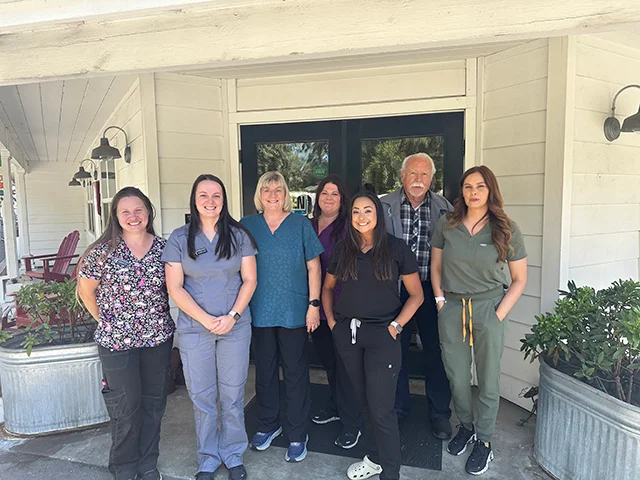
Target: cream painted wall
<point>605,199</point>
<point>54,209</point>
<point>348,87</point>
<point>514,100</point>
<point>191,140</point>
<point>128,116</point>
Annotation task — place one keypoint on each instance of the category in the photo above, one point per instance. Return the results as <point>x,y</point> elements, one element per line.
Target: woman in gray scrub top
<point>474,250</point>
<point>211,275</point>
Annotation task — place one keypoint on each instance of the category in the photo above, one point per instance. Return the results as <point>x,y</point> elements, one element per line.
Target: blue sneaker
<point>297,451</point>
<point>261,441</point>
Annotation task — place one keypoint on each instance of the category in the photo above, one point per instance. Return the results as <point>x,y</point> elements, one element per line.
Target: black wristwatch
<point>235,315</point>
<point>314,303</point>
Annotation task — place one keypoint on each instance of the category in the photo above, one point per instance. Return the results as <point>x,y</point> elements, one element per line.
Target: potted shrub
<point>49,366</point>
<point>588,424</point>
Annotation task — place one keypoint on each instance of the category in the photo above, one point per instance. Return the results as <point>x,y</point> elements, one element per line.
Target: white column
<point>9,220</point>
<point>23,224</point>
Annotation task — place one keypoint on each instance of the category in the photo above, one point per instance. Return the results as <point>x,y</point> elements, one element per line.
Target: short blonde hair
<point>272,178</point>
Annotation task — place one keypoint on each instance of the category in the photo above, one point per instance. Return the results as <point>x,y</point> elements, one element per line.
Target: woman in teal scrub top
<point>285,308</point>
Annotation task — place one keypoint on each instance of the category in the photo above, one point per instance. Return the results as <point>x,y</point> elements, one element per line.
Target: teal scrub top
<point>282,298</point>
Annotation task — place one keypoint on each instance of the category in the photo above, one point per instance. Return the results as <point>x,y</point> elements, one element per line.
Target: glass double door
<point>362,151</point>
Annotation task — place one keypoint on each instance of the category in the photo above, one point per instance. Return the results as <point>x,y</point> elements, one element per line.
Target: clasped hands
<point>219,325</point>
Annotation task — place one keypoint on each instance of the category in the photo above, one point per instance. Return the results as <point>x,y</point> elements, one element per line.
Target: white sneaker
<point>364,469</point>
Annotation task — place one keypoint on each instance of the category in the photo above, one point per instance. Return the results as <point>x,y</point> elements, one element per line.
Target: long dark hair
<point>500,221</point>
<point>113,231</point>
<point>381,252</point>
<point>343,214</point>
<point>227,241</point>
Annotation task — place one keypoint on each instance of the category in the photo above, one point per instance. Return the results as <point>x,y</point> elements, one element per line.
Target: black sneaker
<point>348,439</point>
<point>478,461</point>
<point>150,475</point>
<point>323,417</point>
<point>458,445</point>
<point>237,473</point>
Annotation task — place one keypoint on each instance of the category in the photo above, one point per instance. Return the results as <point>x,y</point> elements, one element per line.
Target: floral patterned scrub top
<point>132,296</point>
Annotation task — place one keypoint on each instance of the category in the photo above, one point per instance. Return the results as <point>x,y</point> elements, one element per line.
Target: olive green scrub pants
<point>466,322</point>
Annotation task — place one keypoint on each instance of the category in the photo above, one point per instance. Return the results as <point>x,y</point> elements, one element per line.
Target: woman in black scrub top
<point>366,320</point>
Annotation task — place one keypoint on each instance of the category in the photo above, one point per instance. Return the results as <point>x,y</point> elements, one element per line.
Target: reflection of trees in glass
<point>382,159</point>
<point>294,160</point>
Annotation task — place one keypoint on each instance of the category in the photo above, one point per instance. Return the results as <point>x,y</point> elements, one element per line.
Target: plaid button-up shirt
<point>416,228</point>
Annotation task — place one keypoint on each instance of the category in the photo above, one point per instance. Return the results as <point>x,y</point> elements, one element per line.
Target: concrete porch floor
<point>84,454</point>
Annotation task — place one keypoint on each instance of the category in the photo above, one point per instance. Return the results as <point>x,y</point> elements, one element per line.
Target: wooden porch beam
<point>227,33</point>
<point>16,152</point>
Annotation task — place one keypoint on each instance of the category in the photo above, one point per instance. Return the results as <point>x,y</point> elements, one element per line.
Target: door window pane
<point>382,160</point>
<point>303,165</point>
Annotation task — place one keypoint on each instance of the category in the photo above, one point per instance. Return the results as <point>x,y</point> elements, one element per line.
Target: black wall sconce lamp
<point>82,175</point>
<point>107,152</point>
<point>612,127</point>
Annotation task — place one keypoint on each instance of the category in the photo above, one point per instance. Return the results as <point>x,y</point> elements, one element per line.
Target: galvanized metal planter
<point>56,388</point>
<point>584,434</point>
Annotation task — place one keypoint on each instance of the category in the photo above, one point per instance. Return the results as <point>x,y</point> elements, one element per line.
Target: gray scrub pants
<point>217,365</point>
<point>483,331</point>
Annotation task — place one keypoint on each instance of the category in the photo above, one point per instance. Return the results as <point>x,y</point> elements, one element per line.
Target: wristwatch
<point>440,299</point>
<point>397,326</point>
<point>314,303</point>
<point>236,316</point>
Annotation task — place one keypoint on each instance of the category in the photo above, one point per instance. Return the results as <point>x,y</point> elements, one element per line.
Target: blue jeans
<point>135,395</point>
<point>436,383</point>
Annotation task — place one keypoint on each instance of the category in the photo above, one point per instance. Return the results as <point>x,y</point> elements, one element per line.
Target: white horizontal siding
<point>190,140</point>
<point>128,116</point>
<point>54,209</point>
<point>513,146</point>
<point>431,80</point>
<point>605,200</point>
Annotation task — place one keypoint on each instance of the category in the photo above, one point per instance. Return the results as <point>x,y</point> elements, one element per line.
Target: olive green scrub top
<point>470,263</point>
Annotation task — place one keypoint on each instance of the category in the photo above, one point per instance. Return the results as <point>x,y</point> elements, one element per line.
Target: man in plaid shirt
<point>411,213</point>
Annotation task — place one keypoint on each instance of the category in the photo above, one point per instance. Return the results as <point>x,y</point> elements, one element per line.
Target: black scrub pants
<point>436,383</point>
<point>272,344</point>
<point>373,363</point>
<point>135,395</point>
<point>342,401</point>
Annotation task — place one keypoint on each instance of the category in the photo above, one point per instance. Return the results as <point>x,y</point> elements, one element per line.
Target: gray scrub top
<point>213,283</point>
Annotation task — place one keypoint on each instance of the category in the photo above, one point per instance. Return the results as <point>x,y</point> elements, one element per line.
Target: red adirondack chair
<point>61,261</point>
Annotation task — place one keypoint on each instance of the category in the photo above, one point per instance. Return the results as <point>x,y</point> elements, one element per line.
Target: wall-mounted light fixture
<point>107,152</point>
<point>82,175</point>
<point>612,127</point>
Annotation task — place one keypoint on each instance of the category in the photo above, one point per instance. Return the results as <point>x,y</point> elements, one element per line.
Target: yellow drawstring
<point>470,323</point>
<point>464,321</point>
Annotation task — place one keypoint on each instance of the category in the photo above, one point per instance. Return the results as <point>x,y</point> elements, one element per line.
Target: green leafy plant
<point>594,336</point>
<point>54,316</point>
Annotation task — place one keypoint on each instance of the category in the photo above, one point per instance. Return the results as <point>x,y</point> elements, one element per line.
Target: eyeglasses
<point>277,191</point>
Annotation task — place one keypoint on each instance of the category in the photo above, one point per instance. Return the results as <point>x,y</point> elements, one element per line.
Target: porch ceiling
<point>57,121</point>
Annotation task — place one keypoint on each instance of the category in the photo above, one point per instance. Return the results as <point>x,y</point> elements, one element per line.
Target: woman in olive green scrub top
<point>478,272</point>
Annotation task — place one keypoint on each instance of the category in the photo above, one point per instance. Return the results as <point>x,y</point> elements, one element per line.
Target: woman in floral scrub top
<point>122,284</point>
